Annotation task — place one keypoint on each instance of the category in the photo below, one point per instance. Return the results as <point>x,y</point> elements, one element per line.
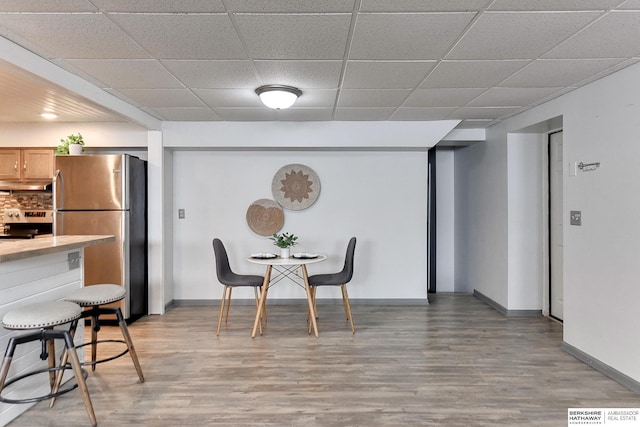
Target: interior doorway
<point>556,249</point>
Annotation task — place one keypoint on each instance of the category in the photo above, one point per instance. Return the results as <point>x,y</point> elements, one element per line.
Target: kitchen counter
<point>33,271</point>
<point>27,248</point>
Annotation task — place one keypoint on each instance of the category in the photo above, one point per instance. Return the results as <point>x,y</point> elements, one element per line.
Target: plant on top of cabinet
<point>72,144</point>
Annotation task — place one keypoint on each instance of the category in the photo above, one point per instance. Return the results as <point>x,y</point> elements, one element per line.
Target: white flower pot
<point>75,149</point>
<point>285,252</point>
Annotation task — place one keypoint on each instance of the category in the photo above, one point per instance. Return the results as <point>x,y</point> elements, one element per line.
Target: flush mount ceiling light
<point>278,97</point>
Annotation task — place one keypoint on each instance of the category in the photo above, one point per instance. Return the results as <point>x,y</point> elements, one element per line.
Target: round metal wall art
<point>265,217</point>
<point>295,187</point>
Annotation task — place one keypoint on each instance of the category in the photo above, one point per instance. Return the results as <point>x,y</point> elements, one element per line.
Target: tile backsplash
<point>24,200</point>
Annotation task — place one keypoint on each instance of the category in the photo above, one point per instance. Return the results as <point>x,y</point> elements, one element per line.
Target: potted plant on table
<point>72,144</point>
<point>284,241</point>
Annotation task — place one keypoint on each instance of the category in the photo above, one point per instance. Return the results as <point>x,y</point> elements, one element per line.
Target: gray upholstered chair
<point>340,278</point>
<point>231,280</point>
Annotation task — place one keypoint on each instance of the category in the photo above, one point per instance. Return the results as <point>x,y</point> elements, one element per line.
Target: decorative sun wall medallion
<point>265,217</point>
<point>295,187</point>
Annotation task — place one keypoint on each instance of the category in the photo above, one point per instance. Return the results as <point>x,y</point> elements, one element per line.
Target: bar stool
<point>43,317</point>
<point>92,298</point>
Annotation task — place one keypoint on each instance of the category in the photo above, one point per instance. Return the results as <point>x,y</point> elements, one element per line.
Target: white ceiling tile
<point>246,114</point>
<point>162,97</point>
<point>406,36</point>
<point>46,6</point>
<point>214,74</point>
<point>511,35</point>
<point>181,36</point>
<point>372,98</point>
<point>364,114</point>
<point>572,5</point>
<point>511,97</point>
<point>385,75</point>
<point>483,113</point>
<point>307,74</point>
<point>305,114</point>
<point>424,113</point>
<point>422,5</point>
<point>448,97</point>
<point>186,114</point>
<point>474,124</point>
<point>317,98</point>
<point>128,74</point>
<point>182,6</point>
<point>306,36</point>
<point>557,72</point>
<point>616,35</point>
<point>76,36</point>
<point>297,6</point>
<point>472,74</point>
<point>630,4</point>
<point>237,97</point>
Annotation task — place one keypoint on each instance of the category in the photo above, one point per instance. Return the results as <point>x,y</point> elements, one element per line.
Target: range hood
<point>25,185</point>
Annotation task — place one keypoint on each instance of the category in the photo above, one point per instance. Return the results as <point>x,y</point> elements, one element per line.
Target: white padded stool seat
<point>42,315</point>
<point>93,295</point>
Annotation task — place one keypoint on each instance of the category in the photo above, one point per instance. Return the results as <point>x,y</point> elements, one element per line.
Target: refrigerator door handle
<point>57,191</point>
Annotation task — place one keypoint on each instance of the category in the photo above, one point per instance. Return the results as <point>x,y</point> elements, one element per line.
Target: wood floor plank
<point>456,362</point>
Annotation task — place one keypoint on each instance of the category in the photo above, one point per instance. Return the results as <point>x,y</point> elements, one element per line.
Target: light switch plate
<point>575,218</point>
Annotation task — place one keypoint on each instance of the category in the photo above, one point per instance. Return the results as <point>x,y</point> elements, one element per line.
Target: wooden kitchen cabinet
<point>26,164</point>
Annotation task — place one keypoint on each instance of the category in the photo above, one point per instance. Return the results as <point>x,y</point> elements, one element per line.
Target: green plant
<point>63,148</point>
<point>284,240</point>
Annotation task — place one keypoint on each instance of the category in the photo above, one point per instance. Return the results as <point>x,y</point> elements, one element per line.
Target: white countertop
<point>27,248</point>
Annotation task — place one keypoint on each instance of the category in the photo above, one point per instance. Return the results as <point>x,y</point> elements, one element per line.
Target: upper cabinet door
<point>10,166</point>
<point>37,164</point>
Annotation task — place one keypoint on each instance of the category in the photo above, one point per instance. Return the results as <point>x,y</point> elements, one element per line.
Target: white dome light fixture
<point>278,97</point>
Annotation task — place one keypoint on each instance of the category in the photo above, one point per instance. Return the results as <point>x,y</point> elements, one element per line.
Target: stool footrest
<point>43,397</point>
<point>106,359</point>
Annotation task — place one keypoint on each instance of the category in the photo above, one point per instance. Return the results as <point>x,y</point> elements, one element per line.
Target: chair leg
<point>347,307</point>
<point>222,303</point>
<point>129,342</point>
<point>226,318</point>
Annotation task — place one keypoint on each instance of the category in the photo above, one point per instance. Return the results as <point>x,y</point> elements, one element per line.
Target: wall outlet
<point>575,218</point>
<point>180,213</point>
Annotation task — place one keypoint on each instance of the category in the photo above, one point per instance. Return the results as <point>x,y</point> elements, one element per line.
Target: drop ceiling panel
<point>74,35</point>
<point>182,6</point>
<point>630,4</point>
<point>422,5</point>
<point>386,75</point>
<point>214,74</point>
<point>557,72</point>
<point>372,98</point>
<point>363,114</point>
<point>406,36</point>
<point>46,6</point>
<point>178,36</point>
<point>185,114</point>
<point>297,6</point>
<point>317,98</point>
<point>229,97</point>
<point>448,97</point>
<point>599,41</point>
<point>302,74</point>
<point>473,74</point>
<point>305,36</point>
<point>492,113</point>
<point>518,35</point>
<point>554,5</point>
<point>511,97</point>
<point>127,74</point>
<point>162,97</point>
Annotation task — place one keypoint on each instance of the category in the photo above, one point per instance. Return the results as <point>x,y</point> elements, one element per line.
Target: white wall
<point>600,123</point>
<point>445,216</point>
<point>377,196</point>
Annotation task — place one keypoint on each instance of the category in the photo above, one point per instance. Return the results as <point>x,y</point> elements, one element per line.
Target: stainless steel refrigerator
<point>106,194</point>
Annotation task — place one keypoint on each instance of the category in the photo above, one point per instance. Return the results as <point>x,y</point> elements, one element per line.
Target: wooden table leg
<point>310,300</point>
<point>263,299</point>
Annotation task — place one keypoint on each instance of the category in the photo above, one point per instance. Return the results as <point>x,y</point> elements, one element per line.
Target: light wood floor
<point>456,362</point>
